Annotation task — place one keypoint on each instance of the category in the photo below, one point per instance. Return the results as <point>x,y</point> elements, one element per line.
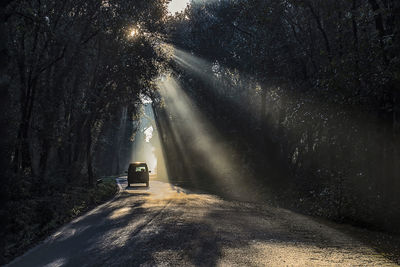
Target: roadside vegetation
<point>305,94</point>
<point>70,70</point>
<point>27,220</point>
<point>291,101</point>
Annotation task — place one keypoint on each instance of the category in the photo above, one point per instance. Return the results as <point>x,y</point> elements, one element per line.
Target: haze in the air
<point>177,6</point>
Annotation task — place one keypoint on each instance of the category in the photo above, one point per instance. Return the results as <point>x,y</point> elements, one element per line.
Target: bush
<point>28,221</point>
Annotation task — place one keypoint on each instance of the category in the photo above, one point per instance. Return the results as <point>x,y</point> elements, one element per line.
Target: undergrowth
<point>28,221</point>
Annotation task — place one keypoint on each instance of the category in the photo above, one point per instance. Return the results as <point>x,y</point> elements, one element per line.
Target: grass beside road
<point>29,221</point>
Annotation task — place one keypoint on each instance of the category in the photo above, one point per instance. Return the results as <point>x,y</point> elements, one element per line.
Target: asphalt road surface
<point>165,225</point>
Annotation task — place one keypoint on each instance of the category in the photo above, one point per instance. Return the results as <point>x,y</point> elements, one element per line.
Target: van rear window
<point>140,169</point>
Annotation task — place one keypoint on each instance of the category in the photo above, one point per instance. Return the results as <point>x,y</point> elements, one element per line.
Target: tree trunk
<point>379,27</point>
<point>263,109</point>
<point>117,160</point>
<point>4,94</point>
<point>22,157</point>
<point>44,155</point>
<point>89,158</point>
<point>355,33</point>
<point>317,19</point>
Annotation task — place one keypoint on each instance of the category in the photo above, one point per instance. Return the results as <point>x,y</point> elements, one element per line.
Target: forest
<point>68,70</point>
<point>296,103</point>
<point>306,96</point>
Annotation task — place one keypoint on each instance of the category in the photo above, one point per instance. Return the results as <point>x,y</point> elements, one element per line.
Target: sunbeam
<point>146,144</point>
<point>177,5</point>
<point>191,62</point>
<point>195,134</point>
<point>200,133</point>
<point>300,124</point>
<point>210,73</point>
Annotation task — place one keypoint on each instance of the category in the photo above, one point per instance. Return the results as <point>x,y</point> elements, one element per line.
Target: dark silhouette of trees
<point>72,66</point>
<point>68,70</point>
<point>320,82</point>
<point>305,94</point>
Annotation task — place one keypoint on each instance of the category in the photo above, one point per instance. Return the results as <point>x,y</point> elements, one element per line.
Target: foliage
<point>29,220</point>
<point>310,90</point>
<point>71,68</point>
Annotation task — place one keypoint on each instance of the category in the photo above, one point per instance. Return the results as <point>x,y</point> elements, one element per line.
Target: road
<point>165,225</point>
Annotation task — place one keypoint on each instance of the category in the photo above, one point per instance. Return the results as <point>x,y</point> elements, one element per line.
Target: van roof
<point>138,163</point>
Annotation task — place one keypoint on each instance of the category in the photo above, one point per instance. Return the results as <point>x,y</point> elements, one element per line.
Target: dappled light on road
<point>158,191</point>
<point>324,149</point>
<point>57,263</point>
<point>166,224</point>
<point>120,213</point>
<point>200,133</point>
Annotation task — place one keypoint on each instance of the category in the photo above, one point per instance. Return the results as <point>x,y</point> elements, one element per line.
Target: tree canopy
<point>309,92</point>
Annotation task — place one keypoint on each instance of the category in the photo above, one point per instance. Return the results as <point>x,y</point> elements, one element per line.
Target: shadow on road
<point>386,244</point>
<point>137,187</point>
<point>131,230</point>
<point>163,225</point>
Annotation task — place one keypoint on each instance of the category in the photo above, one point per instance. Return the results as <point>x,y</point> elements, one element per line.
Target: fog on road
<point>165,225</point>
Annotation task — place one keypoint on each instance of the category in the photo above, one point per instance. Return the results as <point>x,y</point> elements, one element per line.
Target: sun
<point>133,32</point>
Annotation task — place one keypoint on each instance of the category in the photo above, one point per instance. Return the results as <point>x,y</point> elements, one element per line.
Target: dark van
<point>138,172</point>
